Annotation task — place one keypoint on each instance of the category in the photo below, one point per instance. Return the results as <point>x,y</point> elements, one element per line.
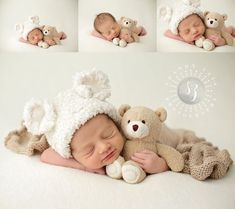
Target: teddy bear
<point>129,25</point>
<point>216,27</point>
<point>50,35</point>
<point>142,128</point>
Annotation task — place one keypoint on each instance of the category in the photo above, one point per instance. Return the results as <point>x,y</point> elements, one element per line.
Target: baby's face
<point>35,36</point>
<point>109,29</point>
<point>97,143</point>
<point>191,28</point>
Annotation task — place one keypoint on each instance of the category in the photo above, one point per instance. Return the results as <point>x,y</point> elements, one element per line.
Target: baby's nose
<point>104,147</point>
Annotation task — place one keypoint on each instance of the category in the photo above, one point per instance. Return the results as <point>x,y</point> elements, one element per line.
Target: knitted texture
<point>23,142</point>
<point>70,109</point>
<point>203,160</point>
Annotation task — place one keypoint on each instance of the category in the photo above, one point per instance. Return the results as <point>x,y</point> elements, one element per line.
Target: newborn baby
<point>31,32</point>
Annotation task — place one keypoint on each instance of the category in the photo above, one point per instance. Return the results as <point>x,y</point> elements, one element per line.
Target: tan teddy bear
<point>215,26</point>
<point>142,127</point>
<point>50,34</point>
<point>130,25</point>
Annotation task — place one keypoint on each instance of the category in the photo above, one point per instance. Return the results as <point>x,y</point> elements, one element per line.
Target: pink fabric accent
<point>169,34</point>
<point>143,31</point>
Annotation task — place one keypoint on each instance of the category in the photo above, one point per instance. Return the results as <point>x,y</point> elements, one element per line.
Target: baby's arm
<point>52,157</point>
<point>150,162</point>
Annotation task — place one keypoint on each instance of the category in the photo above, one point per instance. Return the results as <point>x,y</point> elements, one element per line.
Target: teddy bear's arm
<point>228,38</point>
<point>173,158</point>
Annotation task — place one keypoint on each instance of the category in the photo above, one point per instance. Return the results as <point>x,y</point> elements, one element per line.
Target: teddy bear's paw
<point>43,44</point>
<point>116,41</point>
<point>132,173</point>
<point>114,170</point>
<point>208,45</point>
<point>199,42</point>
<point>122,43</point>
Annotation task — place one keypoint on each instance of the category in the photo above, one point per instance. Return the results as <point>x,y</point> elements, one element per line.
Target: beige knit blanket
<point>202,159</point>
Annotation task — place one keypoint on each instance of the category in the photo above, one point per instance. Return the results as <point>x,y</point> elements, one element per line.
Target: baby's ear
<point>161,113</point>
<point>39,116</point>
<point>19,28</point>
<point>225,16</point>
<point>123,108</point>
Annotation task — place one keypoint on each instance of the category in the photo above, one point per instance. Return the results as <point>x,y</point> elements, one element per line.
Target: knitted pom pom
<point>34,19</point>
<point>92,84</point>
<point>19,28</point>
<point>194,3</point>
<point>165,13</point>
<point>39,116</point>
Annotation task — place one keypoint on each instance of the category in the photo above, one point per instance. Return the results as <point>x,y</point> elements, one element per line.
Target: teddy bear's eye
<point>208,18</point>
<point>128,121</point>
<point>143,121</point>
<point>215,19</point>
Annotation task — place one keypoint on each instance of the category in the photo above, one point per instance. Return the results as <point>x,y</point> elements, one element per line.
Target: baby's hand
<point>150,161</point>
<point>218,41</point>
<point>50,42</point>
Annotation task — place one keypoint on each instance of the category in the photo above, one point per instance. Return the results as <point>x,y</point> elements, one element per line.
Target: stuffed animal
<point>130,26</point>
<point>216,27</point>
<point>142,128</point>
<point>126,35</point>
<point>119,42</point>
<point>50,34</point>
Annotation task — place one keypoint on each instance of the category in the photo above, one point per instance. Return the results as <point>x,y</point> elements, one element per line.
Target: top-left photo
<point>47,26</point>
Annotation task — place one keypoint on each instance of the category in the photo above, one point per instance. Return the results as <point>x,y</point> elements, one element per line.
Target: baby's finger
<point>138,160</point>
<point>141,155</point>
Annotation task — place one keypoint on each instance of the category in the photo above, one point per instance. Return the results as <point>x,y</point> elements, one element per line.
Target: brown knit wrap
<point>23,142</point>
<point>203,160</point>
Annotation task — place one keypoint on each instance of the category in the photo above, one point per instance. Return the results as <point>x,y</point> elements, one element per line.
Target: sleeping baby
<point>120,33</point>
<point>33,33</point>
<point>187,24</point>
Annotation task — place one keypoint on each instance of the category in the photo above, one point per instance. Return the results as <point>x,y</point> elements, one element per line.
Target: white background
<point>165,44</point>
<point>142,11</point>
<point>59,13</point>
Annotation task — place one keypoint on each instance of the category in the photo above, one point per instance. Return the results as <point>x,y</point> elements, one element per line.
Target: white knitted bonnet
<point>70,109</point>
<point>29,25</point>
<point>182,10</point>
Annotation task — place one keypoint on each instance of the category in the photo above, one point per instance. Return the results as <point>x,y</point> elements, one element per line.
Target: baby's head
<point>30,30</point>
<point>97,143</point>
<point>191,28</point>
<point>185,20</point>
<point>107,26</point>
<point>35,36</point>
<point>79,122</point>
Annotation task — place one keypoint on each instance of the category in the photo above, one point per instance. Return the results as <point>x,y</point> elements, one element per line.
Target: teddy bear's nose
<point>211,21</point>
<point>135,127</point>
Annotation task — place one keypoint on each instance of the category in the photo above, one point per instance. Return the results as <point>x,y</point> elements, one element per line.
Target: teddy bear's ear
<point>41,27</point>
<point>225,16</point>
<point>123,108</point>
<point>161,113</point>
<point>206,13</point>
<point>19,28</point>
<point>39,116</point>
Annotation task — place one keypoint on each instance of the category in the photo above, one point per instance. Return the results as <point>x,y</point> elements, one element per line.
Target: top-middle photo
<point>117,25</point>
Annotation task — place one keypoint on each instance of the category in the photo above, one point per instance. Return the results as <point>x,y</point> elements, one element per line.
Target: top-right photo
<point>195,26</point>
